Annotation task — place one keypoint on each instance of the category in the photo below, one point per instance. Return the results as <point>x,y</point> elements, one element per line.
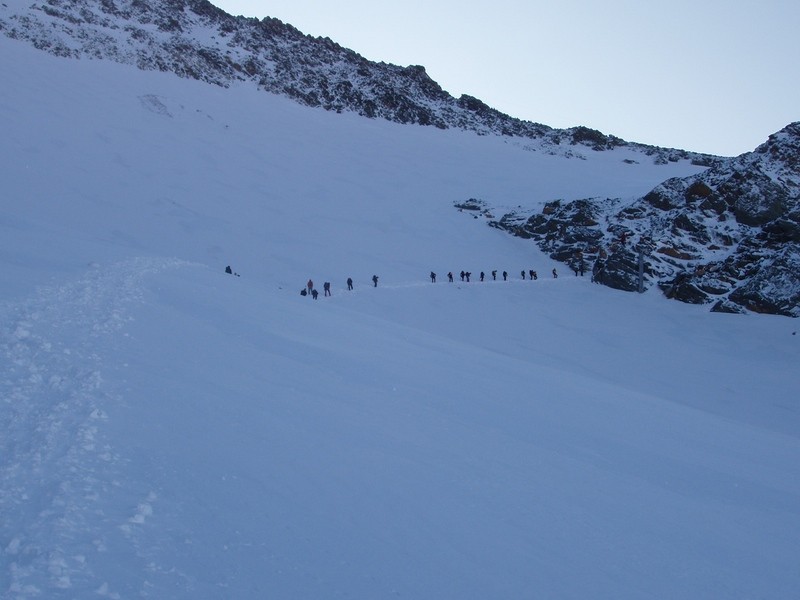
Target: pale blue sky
<point>706,75</point>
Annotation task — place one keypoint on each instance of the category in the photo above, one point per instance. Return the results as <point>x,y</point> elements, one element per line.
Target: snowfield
<point>170,431</point>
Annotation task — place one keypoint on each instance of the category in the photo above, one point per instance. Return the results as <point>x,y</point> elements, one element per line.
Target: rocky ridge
<point>728,237</point>
<point>195,39</point>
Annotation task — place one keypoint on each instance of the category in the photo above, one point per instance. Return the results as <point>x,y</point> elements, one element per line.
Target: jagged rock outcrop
<point>197,40</point>
<point>728,237</point>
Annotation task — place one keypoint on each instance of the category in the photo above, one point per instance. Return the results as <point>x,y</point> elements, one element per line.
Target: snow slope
<point>169,431</point>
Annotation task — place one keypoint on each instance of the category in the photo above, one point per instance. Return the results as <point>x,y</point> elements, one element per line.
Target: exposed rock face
<point>197,40</point>
<point>728,237</point>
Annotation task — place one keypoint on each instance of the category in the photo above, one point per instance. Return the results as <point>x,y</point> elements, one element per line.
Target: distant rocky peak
<point>781,152</point>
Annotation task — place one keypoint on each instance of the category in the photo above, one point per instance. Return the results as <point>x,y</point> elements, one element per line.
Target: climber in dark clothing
<point>228,270</point>
<point>494,275</point>
<point>481,275</point>
<point>523,273</point>
<point>450,277</point>
<point>314,294</point>
<point>349,283</point>
<point>462,275</point>
<point>531,273</point>
<point>326,288</point>
<point>375,280</point>
<point>505,275</point>
<point>433,277</point>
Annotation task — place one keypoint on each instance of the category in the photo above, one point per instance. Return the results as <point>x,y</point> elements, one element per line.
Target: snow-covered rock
<point>729,236</point>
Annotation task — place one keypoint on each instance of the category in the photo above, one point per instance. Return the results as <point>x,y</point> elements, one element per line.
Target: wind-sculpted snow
<point>58,469</point>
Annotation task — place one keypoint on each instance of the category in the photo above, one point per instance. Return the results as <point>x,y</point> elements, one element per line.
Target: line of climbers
<point>465,275</point>
<point>309,289</point>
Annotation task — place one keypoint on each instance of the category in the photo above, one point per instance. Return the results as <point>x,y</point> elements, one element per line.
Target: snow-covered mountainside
<point>171,431</point>
<point>701,242</point>
<point>195,39</point>
<point>729,236</point>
